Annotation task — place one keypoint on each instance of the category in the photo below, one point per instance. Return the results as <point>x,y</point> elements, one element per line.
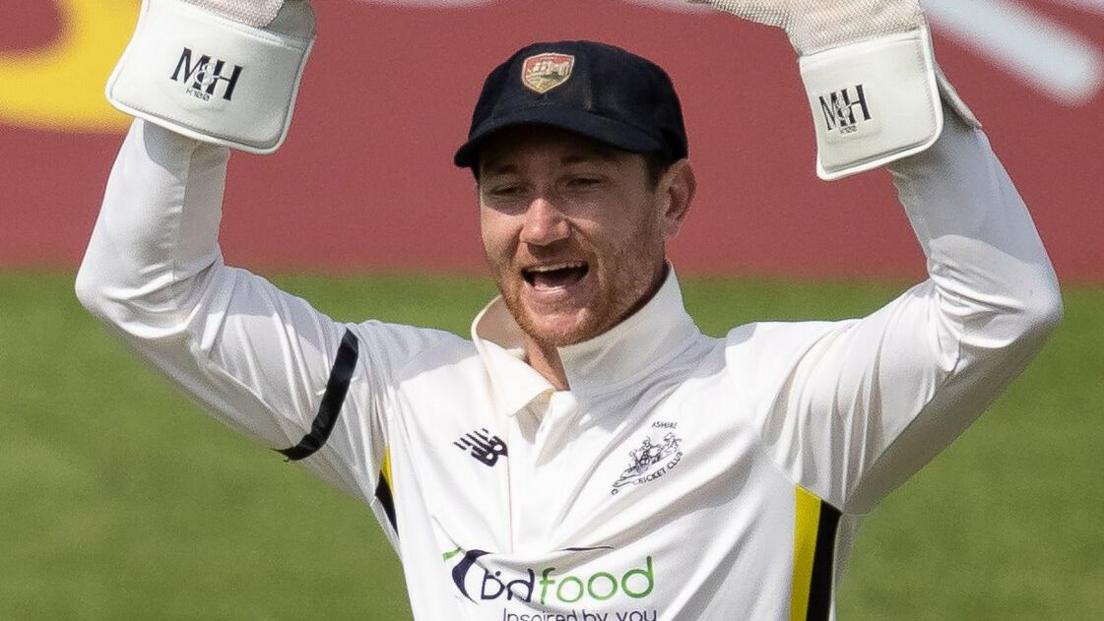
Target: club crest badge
<point>544,72</point>
<point>655,458</point>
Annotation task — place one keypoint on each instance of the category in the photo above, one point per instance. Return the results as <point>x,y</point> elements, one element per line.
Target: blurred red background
<point>365,179</point>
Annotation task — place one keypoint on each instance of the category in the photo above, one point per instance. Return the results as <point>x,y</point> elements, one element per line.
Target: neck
<point>545,359</point>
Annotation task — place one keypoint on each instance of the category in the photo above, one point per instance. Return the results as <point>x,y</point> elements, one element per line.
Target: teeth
<point>557,266</point>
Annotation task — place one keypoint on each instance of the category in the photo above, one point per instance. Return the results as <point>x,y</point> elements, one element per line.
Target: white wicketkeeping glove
<point>872,82</point>
<point>221,71</point>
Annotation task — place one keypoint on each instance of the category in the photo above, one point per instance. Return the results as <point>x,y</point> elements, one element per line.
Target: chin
<point>558,329</point>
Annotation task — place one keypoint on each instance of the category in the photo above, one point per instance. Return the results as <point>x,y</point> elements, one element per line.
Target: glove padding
<point>872,83</point>
<point>220,71</point>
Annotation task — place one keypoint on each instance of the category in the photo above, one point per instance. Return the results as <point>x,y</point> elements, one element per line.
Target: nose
<point>544,223</point>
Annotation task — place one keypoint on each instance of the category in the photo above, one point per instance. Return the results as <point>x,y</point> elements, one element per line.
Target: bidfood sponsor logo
<point>481,581</point>
<point>583,614</point>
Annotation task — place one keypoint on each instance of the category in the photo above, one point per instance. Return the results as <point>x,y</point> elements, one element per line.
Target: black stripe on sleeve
<point>336,389</point>
<point>387,501</point>
<point>820,589</point>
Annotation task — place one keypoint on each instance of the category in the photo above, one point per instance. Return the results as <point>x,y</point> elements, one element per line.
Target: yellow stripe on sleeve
<point>806,523</point>
<point>385,468</point>
<point>385,492</point>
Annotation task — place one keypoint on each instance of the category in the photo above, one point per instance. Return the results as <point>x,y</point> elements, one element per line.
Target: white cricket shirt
<point>681,477</point>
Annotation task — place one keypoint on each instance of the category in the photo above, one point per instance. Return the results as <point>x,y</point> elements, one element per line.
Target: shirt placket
<point>539,487</point>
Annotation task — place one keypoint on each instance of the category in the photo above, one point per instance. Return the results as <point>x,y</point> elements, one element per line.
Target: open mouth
<point>555,275</point>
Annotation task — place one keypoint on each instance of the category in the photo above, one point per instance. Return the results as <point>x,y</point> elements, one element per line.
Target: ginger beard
<point>574,231</point>
<point>613,269</point>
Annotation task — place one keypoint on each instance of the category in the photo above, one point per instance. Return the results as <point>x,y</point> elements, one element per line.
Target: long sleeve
<point>993,285</point>
<point>258,358</point>
<point>851,409</point>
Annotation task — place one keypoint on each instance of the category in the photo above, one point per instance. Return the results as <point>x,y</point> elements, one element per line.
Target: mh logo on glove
<point>839,110</point>
<point>205,75</point>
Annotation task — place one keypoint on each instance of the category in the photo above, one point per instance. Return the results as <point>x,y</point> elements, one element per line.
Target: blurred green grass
<point>119,500</point>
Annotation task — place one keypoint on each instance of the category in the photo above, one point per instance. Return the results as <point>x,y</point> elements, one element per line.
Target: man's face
<point>574,231</point>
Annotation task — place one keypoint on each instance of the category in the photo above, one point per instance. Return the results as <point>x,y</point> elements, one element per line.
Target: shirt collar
<point>501,345</point>
<point>646,340</point>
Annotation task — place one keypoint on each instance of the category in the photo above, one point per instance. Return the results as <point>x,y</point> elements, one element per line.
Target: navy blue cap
<point>593,89</point>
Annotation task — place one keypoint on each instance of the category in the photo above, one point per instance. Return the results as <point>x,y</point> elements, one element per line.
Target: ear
<point>676,191</point>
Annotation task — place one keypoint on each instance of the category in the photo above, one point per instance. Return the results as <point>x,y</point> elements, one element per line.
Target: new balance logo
<point>482,446</point>
<point>844,110</point>
<point>205,75</point>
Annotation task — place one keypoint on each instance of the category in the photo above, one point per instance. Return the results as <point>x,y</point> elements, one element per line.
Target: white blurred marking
<point>1055,60</point>
<point>1051,58</point>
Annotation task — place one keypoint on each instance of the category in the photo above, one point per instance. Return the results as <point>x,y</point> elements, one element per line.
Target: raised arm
<point>996,292</point>
<point>851,409</point>
<point>256,357</point>
<point>263,361</point>
<point>869,402</point>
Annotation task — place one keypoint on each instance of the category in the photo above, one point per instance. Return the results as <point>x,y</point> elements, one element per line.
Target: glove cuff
<point>875,102</point>
<point>211,78</point>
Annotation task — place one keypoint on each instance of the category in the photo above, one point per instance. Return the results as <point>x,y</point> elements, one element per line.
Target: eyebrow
<point>493,166</point>
<point>597,153</point>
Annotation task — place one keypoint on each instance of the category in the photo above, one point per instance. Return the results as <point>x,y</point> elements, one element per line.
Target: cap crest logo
<point>544,72</point>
